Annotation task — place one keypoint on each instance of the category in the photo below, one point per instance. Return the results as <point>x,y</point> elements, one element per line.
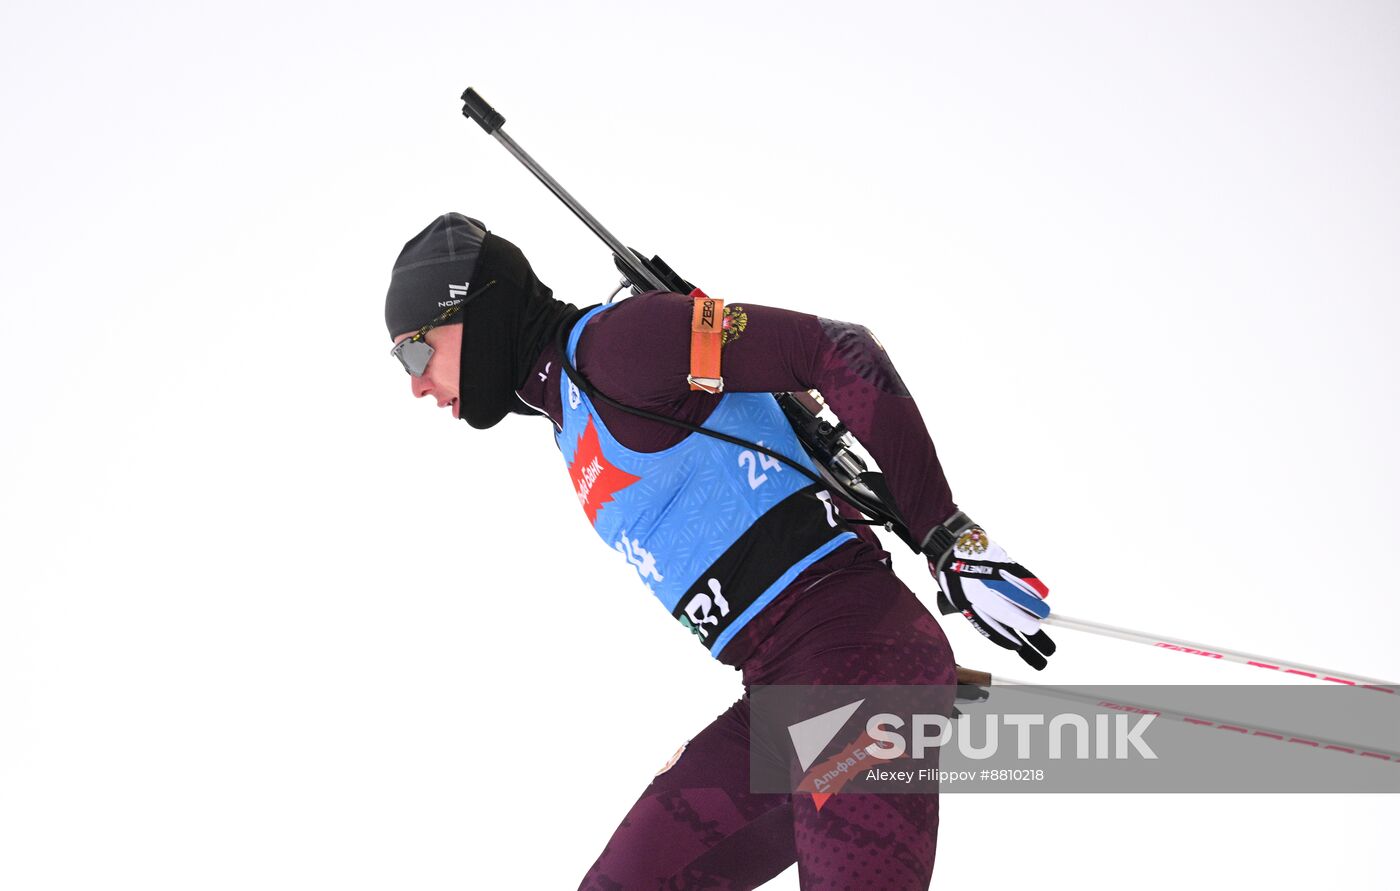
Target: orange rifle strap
<point>706,338</point>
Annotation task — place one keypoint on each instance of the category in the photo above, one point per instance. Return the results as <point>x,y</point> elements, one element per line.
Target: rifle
<point>827,444</point>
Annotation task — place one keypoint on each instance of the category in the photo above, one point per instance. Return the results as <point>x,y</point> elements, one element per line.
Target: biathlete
<point>757,562</point>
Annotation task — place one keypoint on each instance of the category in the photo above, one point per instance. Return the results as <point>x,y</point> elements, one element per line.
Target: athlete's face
<point>439,379</point>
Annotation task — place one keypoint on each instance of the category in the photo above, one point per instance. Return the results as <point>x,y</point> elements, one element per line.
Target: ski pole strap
<point>706,338</point>
<point>941,538</point>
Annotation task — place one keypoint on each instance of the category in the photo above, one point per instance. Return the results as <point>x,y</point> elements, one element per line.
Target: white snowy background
<point>266,621</point>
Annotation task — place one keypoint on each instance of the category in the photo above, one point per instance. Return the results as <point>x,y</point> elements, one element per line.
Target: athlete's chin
<point>456,411</point>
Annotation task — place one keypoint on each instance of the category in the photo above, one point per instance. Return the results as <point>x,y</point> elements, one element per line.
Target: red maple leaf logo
<point>595,480</point>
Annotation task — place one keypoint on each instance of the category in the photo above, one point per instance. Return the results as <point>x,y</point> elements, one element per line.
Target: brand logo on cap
<point>455,295</point>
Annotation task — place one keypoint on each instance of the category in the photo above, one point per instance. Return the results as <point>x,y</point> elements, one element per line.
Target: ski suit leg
<point>697,826</point>
<point>861,626</point>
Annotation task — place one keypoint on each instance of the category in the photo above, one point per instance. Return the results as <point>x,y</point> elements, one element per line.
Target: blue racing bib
<point>714,530</point>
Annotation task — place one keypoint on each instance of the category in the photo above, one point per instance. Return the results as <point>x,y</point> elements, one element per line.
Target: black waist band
<point>790,531</point>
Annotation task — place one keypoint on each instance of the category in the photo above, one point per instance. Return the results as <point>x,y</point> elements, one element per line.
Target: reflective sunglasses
<point>414,352</point>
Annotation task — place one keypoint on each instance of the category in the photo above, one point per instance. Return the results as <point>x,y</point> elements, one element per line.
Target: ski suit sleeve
<point>776,350</point>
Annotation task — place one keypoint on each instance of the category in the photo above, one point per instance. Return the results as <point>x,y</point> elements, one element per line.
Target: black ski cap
<point>434,271</point>
<point>505,327</point>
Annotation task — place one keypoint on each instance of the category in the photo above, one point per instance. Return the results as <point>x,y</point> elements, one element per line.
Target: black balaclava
<point>505,325</point>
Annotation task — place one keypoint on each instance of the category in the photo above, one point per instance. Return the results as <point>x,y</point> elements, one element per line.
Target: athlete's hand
<point>1001,598</point>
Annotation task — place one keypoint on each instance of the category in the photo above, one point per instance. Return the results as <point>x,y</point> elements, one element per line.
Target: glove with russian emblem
<point>1003,600</point>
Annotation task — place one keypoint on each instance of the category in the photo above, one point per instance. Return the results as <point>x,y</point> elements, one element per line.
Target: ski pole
<point>1198,720</point>
<point>1199,649</point>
